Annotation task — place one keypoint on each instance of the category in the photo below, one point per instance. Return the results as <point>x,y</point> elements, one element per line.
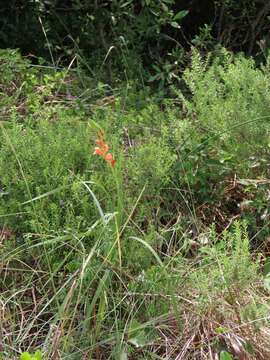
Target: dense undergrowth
<point>162,256</point>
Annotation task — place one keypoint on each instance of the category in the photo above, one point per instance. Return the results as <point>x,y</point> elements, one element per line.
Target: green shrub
<point>52,157</point>
<point>226,130</point>
<point>36,356</point>
<point>226,269</point>
<point>230,103</point>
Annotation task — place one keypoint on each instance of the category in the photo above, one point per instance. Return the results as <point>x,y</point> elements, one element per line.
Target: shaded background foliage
<point>126,33</point>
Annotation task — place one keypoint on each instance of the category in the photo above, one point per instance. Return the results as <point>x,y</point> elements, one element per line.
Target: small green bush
<point>52,157</point>
<point>230,103</point>
<point>226,268</point>
<point>27,356</point>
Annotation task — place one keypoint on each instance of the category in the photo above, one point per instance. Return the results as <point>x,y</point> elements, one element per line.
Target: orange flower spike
<point>102,150</point>
<point>102,147</point>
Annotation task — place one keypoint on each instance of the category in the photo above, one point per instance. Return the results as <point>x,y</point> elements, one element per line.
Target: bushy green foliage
<point>52,157</point>
<point>36,356</point>
<point>229,265</point>
<point>227,130</point>
<point>230,97</point>
<point>25,90</point>
<point>151,166</point>
<point>156,151</point>
<point>107,258</point>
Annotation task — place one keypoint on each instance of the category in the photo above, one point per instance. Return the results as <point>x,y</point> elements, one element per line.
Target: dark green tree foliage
<point>132,32</point>
<point>19,26</point>
<point>243,24</point>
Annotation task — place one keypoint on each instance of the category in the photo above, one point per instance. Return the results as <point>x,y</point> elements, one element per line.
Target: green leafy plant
<point>27,356</point>
<point>224,355</point>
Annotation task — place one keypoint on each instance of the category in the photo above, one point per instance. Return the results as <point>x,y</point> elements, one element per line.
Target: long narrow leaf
<point>149,248</point>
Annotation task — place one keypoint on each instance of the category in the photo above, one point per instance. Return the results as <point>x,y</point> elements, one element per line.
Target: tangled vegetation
<point>134,227</point>
<point>134,180</point>
<point>144,39</point>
